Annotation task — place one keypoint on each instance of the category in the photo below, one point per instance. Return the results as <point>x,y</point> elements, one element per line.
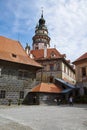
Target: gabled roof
<point>52,53</point>
<point>47,87</point>
<point>82,57</point>
<point>11,50</point>
<point>39,54</point>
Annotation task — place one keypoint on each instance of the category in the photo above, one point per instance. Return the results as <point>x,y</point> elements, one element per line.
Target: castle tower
<point>41,39</point>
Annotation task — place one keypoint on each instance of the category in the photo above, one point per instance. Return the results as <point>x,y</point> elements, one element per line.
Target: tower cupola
<point>41,38</point>
<point>41,20</point>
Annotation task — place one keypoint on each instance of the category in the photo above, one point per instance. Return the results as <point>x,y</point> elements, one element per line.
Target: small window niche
<point>14,55</point>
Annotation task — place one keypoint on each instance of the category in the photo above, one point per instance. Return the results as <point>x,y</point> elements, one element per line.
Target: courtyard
<point>63,117</point>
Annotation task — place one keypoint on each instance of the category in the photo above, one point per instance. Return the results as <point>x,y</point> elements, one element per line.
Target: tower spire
<point>41,38</point>
<point>42,12</point>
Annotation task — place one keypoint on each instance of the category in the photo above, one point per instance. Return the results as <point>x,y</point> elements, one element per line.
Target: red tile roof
<point>39,54</point>
<point>83,57</point>
<point>47,87</point>
<point>11,50</point>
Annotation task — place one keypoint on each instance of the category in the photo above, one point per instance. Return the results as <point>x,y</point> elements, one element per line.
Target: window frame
<point>83,71</point>
<point>51,67</point>
<point>22,74</point>
<point>2,94</point>
<point>21,95</point>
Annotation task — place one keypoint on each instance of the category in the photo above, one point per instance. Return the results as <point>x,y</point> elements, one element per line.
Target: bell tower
<point>41,38</point>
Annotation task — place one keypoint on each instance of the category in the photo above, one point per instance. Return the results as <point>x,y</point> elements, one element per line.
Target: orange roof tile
<point>47,87</point>
<point>39,54</point>
<point>11,50</point>
<point>84,56</point>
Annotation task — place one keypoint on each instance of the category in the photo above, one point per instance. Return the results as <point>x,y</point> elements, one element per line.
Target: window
<point>21,94</point>
<point>2,93</point>
<point>53,54</point>
<point>64,68</point>
<point>58,66</point>
<point>51,67</point>
<point>83,71</point>
<point>51,79</point>
<point>22,74</point>
<point>85,90</point>
<point>44,67</point>
<point>68,71</point>
<point>14,55</point>
<point>36,48</point>
<point>25,74</point>
<point>45,32</point>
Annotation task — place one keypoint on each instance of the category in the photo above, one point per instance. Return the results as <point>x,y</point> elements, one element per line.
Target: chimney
<point>27,49</point>
<point>45,51</point>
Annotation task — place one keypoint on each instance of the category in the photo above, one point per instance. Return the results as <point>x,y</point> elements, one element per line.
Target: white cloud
<point>24,14</point>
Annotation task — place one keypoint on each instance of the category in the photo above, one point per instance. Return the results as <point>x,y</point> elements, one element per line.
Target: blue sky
<point>66,21</point>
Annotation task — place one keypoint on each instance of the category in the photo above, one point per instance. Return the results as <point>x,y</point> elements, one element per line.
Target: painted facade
<point>55,69</point>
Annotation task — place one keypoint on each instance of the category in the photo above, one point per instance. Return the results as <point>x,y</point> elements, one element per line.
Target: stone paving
<point>63,117</point>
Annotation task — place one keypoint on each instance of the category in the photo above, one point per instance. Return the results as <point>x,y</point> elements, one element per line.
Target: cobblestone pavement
<point>63,117</point>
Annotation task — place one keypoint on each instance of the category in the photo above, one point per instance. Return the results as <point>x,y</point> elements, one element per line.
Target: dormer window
<point>53,55</point>
<point>14,55</point>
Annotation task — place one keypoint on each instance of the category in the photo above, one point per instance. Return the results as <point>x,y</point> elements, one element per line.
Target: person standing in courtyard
<point>71,101</point>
